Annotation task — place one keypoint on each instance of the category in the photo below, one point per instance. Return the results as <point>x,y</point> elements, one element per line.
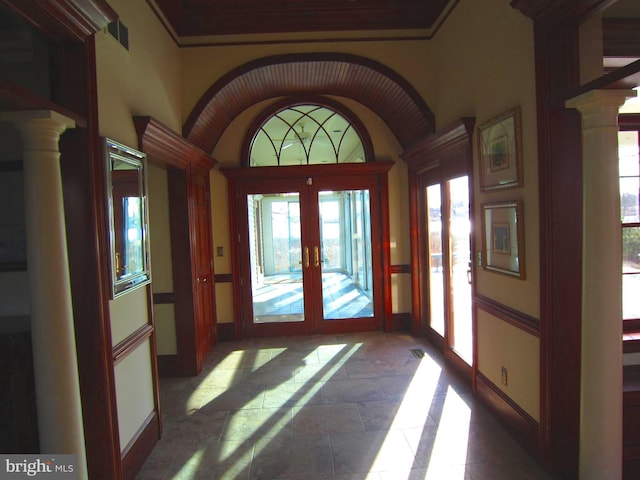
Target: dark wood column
<point>560,189</point>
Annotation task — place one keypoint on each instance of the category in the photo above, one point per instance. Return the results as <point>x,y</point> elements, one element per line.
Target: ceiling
<point>190,18</point>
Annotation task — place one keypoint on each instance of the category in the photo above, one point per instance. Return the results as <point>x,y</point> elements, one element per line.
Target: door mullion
<point>313,289</point>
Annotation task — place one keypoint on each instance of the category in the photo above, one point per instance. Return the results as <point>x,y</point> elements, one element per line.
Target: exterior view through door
<point>278,257</point>
<point>449,252</point>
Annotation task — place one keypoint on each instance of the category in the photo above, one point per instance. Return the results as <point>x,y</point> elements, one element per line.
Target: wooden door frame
<point>363,324</point>
<point>236,176</point>
<point>258,186</point>
<point>168,150</point>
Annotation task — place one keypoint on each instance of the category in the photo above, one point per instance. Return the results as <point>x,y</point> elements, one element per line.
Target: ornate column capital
<point>41,129</point>
<point>599,108</point>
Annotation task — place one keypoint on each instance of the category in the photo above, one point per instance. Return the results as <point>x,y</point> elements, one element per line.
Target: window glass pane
<point>629,188</point>
<point>345,255</point>
<point>436,272</point>
<point>631,250</point>
<point>460,261</point>
<point>628,154</point>
<point>630,297</point>
<point>275,256</point>
<point>629,165</point>
<point>306,135</point>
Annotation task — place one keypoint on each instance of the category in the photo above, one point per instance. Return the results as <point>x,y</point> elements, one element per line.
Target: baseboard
<point>138,449</point>
<point>401,322</point>
<point>631,469</point>
<point>631,423</point>
<point>168,366</point>
<point>226,332</point>
<point>522,426</point>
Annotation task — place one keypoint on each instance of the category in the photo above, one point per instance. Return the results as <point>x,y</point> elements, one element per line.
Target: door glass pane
<point>436,272</point>
<point>275,256</point>
<point>460,253</point>
<point>344,254</point>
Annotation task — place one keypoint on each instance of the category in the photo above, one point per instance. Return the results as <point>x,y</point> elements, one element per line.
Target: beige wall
<point>485,67</point>
<point>516,351</point>
<point>142,81</point>
<point>134,392</point>
<point>160,237</point>
<point>484,63</point>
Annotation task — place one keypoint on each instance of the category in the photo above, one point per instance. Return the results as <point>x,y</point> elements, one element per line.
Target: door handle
<point>305,258</point>
<point>316,253</point>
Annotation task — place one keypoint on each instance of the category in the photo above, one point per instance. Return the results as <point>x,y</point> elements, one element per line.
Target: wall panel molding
<point>163,298</point>
<point>510,315</point>
<point>397,269</point>
<point>133,341</point>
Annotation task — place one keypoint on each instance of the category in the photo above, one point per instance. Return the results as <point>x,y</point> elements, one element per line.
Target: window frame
<point>630,327</point>
<point>315,100</point>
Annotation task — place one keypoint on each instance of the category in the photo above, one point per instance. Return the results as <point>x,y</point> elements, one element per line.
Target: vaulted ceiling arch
<point>361,79</point>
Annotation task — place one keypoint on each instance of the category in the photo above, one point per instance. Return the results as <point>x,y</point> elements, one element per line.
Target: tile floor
<point>357,407</point>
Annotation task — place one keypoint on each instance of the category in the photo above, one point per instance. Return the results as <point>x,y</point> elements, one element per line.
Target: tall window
<point>629,167</point>
<point>306,135</point>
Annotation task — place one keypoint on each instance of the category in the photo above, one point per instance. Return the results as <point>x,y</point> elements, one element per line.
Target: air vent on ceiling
<point>120,32</point>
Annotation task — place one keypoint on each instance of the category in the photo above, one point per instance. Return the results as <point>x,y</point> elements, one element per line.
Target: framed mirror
<point>126,187</point>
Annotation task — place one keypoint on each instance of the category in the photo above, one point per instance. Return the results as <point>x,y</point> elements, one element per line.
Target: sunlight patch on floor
<point>413,411</point>
<point>451,442</point>
<point>271,425</point>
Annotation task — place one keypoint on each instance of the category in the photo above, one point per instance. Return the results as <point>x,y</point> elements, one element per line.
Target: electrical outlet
<point>504,376</point>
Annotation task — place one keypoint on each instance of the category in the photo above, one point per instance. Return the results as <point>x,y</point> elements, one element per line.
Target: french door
<point>310,254</point>
<point>447,263</point>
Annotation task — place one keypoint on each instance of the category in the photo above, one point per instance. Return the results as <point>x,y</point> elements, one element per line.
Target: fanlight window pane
<point>306,135</point>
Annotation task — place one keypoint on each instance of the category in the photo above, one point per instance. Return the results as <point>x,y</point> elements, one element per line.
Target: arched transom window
<point>306,135</point>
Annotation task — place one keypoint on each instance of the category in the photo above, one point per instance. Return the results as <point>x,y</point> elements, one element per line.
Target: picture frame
<point>503,238</point>
<point>500,152</point>
<point>126,199</point>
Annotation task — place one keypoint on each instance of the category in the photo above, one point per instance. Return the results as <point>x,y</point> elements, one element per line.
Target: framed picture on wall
<point>503,238</point>
<point>500,151</point>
